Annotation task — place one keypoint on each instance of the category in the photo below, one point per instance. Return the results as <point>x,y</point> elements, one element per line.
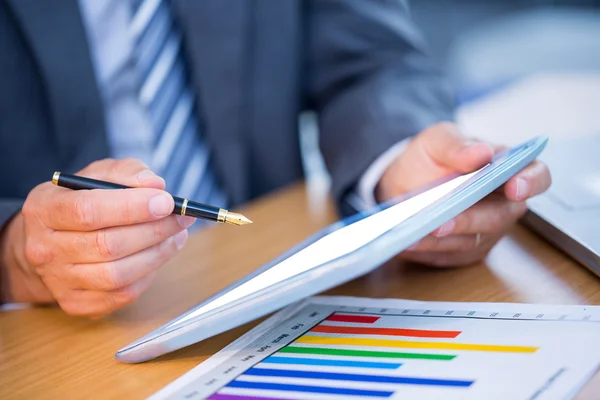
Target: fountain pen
<point>182,206</point>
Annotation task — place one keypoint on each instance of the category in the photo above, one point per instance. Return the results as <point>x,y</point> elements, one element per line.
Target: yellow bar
<point>406,344</point>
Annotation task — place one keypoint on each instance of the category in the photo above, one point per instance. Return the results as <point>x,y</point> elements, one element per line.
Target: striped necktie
<point>180,154</point>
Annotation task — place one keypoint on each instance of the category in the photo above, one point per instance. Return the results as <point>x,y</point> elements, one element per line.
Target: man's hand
<point>437,152</point>
<point>92,251</point>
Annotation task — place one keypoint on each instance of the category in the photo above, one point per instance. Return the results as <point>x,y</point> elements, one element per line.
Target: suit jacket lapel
<point>217,42</point>
<point>58,40</point>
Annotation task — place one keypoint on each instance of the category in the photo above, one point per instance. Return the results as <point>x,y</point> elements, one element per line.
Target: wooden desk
<point>46,354</point>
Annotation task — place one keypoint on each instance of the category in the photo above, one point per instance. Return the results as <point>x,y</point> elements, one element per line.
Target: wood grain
<point>45,354</point>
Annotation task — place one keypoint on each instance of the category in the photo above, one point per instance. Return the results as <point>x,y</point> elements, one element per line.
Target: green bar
<point>364,353</point>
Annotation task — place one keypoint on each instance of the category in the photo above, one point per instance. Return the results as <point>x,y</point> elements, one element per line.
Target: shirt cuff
<point>369,180</point>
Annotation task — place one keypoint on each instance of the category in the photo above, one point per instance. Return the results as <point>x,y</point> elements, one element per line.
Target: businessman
<point>202,98</point>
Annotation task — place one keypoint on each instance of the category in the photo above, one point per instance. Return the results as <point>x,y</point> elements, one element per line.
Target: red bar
<point>352,330</point>
<point>361,319</point>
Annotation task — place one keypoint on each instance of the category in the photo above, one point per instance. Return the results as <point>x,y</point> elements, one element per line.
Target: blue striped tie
<point>180,154</point>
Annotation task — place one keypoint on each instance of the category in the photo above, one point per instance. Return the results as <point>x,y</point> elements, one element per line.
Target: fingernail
<point>161,205</point>
<point>522,188</point>
<point>445,229</point>
<point>181,238</point>
<point>185,221</point>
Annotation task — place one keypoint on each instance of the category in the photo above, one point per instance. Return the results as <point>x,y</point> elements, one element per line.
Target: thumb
<point>448,149</point>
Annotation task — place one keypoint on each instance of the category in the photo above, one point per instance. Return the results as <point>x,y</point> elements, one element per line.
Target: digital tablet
<point>341,252</point>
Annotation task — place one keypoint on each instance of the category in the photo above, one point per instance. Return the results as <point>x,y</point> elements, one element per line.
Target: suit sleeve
<point>370,81</point>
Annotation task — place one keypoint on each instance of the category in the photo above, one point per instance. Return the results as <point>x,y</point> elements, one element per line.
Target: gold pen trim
<point>222,216</point>
<point>234,218</point>
<point>184,207</point>
<point>55,177</point>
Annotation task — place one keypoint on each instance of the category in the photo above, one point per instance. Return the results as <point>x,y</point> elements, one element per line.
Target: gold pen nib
<point>236,219</point>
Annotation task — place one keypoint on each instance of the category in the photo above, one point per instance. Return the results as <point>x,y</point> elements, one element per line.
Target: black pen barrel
<point>182,206</point>
<point>196,210</point>
<point>81,183</point>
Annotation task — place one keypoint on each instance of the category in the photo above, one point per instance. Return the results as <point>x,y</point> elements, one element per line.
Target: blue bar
<point>356,377</point>
<point>308,389</point>
<point>329,363</point>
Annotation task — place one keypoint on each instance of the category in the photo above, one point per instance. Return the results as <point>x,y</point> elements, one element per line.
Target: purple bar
<point>218,396</point>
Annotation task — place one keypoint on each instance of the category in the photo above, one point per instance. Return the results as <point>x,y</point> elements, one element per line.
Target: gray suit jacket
<point>255,65</point>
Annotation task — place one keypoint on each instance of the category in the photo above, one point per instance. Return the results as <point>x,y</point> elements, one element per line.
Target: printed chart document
<point>357,348</point>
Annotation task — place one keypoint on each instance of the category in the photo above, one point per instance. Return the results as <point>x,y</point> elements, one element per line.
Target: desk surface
<point>47,354</point>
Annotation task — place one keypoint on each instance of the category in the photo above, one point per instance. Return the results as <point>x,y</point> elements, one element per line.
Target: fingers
<point>114,275</point>
<point>449,253</point>
<point>489,216</point>
<point>117,242</point>
<point>452,243</point>
<point>446,258</point>
<point>531,181</point>
<point>128,172</point>
<point>469,237</point>
<point>62,209</point>
<point>88,210</point>
<point>448,148</point>
<point>95,304</point>
<point>97,250</point>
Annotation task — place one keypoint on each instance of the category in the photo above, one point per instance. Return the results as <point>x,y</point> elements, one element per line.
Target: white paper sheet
<point>558,350</point>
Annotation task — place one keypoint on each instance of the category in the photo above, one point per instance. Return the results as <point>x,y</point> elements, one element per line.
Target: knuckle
<point>83,212</point>
<point>37,252</point>
<point>106,245</point>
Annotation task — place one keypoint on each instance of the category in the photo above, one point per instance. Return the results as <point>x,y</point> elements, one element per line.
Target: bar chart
<point>345,352</point>
<point>353,335</point>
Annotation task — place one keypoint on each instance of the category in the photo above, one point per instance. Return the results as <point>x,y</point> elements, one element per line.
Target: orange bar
<point>352,330</point>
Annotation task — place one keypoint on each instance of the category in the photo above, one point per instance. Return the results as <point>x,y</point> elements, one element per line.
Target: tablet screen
<point>333,245</point>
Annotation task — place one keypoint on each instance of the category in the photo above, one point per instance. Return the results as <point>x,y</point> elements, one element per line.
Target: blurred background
<point>518,68</point>
<point>484,44</point>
